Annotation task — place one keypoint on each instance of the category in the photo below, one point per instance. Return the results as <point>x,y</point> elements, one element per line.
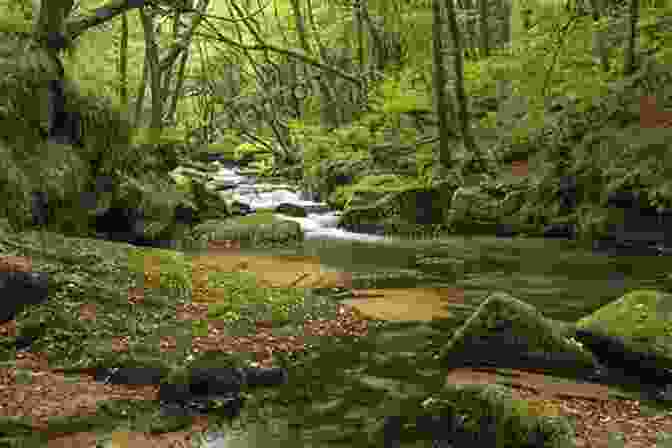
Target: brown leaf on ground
<point>50,394</point>
<point>592,411</point>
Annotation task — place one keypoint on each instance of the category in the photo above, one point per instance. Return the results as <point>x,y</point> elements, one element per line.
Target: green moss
<point>514,420</point>
<point>174,267</point>
<point>642,315</point>
<point>264,217</point>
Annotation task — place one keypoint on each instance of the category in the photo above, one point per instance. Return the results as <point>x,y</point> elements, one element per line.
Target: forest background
<point>466,87</point>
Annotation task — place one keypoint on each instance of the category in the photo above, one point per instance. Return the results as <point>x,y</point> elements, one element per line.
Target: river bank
<point>101,315</point>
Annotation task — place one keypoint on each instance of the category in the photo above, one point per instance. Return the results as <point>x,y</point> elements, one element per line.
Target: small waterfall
<point>321,223</point>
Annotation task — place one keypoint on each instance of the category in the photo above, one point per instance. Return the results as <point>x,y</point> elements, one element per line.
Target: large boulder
<point>477,415</point>
<point>257,229</point>
<point>369,218</point>
<point>633,336</point>
<point>374,187</point>
<point>508,333</point>
<point>472,209</point>
<point>642,316</point>
<point>337,173</point>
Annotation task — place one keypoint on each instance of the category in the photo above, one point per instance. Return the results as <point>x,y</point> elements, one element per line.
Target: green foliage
<point>251,150</point>
<point>515,418</point>
<point>150,136</point>
<point>16,16</point>
<point>398,99</point>
<point>227,144</point>
<point>346,143</point>
<point>263,168</point>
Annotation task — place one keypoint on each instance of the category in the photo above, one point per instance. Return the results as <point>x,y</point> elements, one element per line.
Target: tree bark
<point>460,93</point>
<point>123,61</point>
<point>444,107</point>
<point>485,32</point>
<point>629,63</point>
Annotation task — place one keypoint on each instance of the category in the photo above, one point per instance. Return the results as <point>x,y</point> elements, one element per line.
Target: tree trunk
<point>629,63</point>
<point>140,96</point>
<point>600,51</point>
<point>485,32</point>
<point>179,87</point>
<point>444,107</point>
<point>460,94</point>
<point>152,55</point>
<point>123,62</point>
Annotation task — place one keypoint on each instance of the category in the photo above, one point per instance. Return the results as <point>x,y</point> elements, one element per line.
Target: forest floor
<point>32,386</point>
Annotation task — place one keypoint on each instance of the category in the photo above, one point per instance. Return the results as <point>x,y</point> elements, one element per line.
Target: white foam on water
<point>269,196</point>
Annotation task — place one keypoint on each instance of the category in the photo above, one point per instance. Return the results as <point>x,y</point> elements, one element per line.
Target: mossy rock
<point>225,148</point>
<point>372,213</point>
<point>373,187</point>
<point>472,203</point>
<point>255,230</point>
<point>642,316</point>
<point>514,422</point>
<point>504,331</point>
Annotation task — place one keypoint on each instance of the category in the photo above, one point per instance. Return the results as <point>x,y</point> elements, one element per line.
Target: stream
<point>564,281</point>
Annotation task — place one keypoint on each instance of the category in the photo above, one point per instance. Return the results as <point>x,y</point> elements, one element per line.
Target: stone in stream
<point>258,229</point>
<point>291,210</point>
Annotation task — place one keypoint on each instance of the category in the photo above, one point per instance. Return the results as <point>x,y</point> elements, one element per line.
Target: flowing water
<point>562,280</point>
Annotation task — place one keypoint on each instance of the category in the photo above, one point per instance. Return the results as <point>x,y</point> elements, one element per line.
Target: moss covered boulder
<point>223,150</point>
<point>366,218</point>
<point>255,230</point>
<point>489,415</point>
<point>473,211</point>
<point>642,317</point>
<point>509,333</point>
